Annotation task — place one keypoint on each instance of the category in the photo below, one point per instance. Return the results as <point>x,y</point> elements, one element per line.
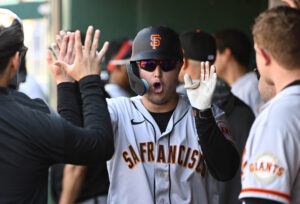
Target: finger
<point>62,33</point>
<point>63,48</point>
<point>73,56</point>
<point>102,51</point>
<point>55,50</point>
<point>78,45</point>
<point>202,72</point>
<point>49,58</point>
<point>206,71</point>
<point>58,40</point>
<point>70,48</point>
<point>88,39</point>
<point>212,71</point>
<point>213,81</point>
<point>95,42</point>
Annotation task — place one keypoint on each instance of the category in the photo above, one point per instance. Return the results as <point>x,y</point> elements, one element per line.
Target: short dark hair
<point>237,42</point>
<point>11,41</point>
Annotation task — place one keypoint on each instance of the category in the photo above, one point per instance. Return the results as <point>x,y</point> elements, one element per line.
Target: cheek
<point>171,78</point>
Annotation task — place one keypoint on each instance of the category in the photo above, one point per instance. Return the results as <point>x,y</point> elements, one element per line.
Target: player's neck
<point>285,77</point>
<point>234,72</point>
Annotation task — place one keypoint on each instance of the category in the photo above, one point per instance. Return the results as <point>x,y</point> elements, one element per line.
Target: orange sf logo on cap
<point>155,38</point>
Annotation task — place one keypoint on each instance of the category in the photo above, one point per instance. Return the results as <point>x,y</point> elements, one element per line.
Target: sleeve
<point>94,142</point>
<point>220,154</point>
<point>69,102</point>
<point>269,166</point>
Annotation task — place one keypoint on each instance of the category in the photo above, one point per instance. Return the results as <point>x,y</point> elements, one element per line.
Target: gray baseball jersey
<point>270,164</point>
<point>153,167</point>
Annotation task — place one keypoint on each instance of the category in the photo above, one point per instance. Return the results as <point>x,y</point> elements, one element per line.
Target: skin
<point>266,90</point>
<point>168,98</point>
<point>272,72</point>
<point>292,3</point>
<point>228,68</point>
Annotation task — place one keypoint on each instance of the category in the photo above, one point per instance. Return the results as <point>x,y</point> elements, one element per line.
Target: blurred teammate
<point>233,57</point>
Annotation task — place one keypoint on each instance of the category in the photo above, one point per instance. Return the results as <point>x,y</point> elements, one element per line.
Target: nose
<point>157,71</point>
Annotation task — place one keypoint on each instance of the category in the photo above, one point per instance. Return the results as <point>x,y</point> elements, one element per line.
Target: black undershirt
<point>162,119</point>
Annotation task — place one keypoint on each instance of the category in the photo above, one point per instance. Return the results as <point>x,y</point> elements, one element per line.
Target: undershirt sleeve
<point>220,154</point>
<point>94,142</point>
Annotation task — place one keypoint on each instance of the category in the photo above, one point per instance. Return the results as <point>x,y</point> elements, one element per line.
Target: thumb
<point>62,65</point>
<point>187,80</point>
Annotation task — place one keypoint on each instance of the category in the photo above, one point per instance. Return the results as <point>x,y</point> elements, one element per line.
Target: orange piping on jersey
<point>266,191</point>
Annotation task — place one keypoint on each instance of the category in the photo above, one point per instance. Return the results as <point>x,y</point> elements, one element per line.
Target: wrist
<point>203,113</point>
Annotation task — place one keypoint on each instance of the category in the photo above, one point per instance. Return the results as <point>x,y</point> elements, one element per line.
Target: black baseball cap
<point>198,45</point>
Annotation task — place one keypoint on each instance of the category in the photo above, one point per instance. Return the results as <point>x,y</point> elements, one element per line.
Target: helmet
<point>152,43</point>
<point>156,43</point>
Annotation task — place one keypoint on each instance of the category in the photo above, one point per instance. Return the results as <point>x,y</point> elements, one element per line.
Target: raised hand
<point>87,59</point>
<point>200,93</point>
<point>63,51</point>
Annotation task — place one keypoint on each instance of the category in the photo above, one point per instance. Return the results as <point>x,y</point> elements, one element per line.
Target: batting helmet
<point>152,43</point>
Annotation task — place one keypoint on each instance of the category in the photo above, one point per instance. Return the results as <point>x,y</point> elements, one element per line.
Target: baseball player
<point>270,168</point>
<point>167,148</point>
<point>31,139</point>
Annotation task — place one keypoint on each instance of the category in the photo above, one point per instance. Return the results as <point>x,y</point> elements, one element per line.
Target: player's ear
<point>14,60</point>
<point>265,55</point>
<point>227,53</point>
<point>185,63</point>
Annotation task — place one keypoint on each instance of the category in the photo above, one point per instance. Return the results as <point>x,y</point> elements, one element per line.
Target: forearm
<point>96,139</point>
<point>73,178</point>
<point>69,107</point>
<point>69,102</point>
<point>220,155</point>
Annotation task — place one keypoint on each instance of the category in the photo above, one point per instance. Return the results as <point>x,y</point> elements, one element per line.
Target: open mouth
<point>157,87</point>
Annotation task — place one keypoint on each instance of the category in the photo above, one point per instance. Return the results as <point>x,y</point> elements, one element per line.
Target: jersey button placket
<point>162,173</point>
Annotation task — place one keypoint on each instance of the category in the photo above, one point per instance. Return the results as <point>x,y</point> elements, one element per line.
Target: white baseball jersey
<point>271,164</point>
<point>153,167</point>
<point>245,88</point>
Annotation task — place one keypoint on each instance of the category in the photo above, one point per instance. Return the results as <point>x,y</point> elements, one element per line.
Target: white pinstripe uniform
<point>153,167</point>
<point>270,164</point>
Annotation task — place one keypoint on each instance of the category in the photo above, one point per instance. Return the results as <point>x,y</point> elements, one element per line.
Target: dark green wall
<point>124,18</point>
<point>118,18</point>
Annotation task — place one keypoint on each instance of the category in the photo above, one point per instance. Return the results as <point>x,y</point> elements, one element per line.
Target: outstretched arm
<point>220,155</point>
<point>69,107</point>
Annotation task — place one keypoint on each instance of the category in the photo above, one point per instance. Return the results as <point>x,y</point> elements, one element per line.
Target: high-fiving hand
<point>201,92</point>
<point>63,50</point>
<point>87,59</point>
